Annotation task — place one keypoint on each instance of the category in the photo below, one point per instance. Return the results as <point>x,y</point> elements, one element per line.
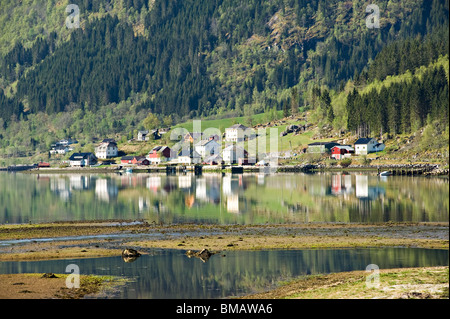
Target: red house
<point>43,164</point>
<point>341,151</point>
<point>135,160</point>
<point>160,154</point>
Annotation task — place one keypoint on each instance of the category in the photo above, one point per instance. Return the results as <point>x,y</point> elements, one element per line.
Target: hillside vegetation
<point>201,59</point>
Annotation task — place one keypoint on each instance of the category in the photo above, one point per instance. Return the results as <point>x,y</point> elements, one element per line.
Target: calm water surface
<point>223,198</point>
<point>170,274</point>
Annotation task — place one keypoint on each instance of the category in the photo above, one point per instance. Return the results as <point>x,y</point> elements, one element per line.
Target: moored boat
<point>385,173</point>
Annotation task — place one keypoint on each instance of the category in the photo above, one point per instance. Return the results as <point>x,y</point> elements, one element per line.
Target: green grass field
<point>288,142</point>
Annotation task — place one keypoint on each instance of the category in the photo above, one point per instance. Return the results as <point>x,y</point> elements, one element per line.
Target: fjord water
<point>215,198</point>
<point>170,274</point>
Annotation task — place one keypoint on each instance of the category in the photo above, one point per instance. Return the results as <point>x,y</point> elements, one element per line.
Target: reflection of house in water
<point>341,184</point>
<point>261,179</point>
<point>363,191</point>
<point>231,184</point>
<point>144,204</point>
<point>200,189</point>
<point>105,189</point>
<point>233,203</point>
<point>362,186</point>
<point>132,181</point>
<point>226,185</point>
<point>79,182</point>
<point>336,184</point>
<point>184,181</point>
<point>207,189</point>
<point>60,187</point>
<point>348,183</point>
<point>154,183</point>
<point>63,186</point>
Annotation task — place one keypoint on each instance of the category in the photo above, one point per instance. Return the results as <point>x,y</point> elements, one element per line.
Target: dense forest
<point>199,58</point>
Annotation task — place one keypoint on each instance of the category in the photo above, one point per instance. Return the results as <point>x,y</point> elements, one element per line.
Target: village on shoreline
<point>232,151</point>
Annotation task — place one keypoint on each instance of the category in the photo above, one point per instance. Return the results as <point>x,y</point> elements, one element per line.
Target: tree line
<point>401,108</point>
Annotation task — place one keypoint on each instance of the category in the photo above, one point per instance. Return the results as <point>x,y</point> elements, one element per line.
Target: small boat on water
<point>385,173</point>
<point>129,170</point>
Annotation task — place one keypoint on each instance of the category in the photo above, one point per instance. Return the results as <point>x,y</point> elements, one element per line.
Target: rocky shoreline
<point>396,169</point>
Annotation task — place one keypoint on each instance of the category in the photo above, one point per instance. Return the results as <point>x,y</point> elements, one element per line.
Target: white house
<point>207,148</point>
<point>364,146</point>
<point>82,159</point>
<point>66,142</point>
<point>107,149</point>
<point>233,153</point>
<point>60,149</point>
<point>143,136</point>
<point>189,157</point>
<point>235,133</point>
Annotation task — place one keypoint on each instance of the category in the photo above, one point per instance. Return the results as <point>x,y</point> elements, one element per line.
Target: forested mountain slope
<point>197,58</point>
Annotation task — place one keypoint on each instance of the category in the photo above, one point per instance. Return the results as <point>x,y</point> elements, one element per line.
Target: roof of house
<point>189,152</point>
<point>345,147</point>
<point>193,134</point>
<point>323,143</point>
<point>237,126</point>
<point>61,147</point>
<point>80,156</point>
<point>363,140</point>
<point>105,145</point>
<point>130,158</point>
<point>204,142</point>
<point>160,148</point>
<point>109,140</point>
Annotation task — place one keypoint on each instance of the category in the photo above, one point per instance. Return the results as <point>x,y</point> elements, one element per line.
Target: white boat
<point>385,173</point>
<point>129,170</point>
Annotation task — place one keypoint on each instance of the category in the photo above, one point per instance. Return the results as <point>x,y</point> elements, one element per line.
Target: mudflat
<point>51,286</point>
<point>99,239</point>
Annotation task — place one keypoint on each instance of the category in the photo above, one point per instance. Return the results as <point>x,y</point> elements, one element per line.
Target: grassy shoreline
<point>402,283</point>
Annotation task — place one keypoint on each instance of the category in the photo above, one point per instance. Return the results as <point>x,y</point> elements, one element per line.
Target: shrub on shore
<point>345,162</point>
